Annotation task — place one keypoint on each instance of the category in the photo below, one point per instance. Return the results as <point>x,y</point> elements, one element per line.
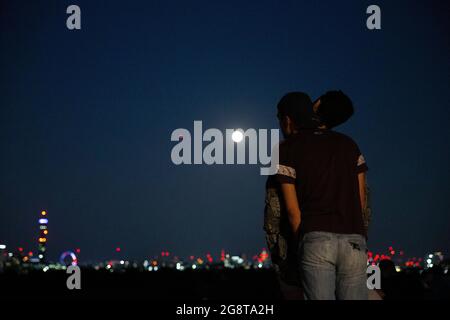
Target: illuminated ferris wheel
<point>68,258</point>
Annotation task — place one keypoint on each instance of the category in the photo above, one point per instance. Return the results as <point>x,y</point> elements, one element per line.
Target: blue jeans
<point>333,266</point>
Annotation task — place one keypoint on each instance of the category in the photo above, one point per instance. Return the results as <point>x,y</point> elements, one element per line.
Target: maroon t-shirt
<point>324,166</point>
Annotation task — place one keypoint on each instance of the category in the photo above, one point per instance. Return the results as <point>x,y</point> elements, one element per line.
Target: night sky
<point>86,117</point>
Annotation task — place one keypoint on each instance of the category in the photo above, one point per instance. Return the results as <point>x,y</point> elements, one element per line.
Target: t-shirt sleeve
<point>286,172</point>
<point>358,158</point>
<point>361,165</point>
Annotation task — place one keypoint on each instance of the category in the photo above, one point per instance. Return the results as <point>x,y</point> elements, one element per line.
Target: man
<point>322,179</point>
<point>282,246</point>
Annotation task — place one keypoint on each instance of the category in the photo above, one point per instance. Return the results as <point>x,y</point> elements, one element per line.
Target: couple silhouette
<point>317,210</point>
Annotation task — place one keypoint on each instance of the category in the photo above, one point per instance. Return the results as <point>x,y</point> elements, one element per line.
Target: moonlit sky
<point>86,117</point>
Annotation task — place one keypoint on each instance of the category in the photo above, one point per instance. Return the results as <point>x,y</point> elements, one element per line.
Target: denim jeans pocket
<point>314,240</point>
<point>317,249</point>
<point>357,242</point>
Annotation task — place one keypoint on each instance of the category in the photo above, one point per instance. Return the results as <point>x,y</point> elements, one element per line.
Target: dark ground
<point>164,284</point>
<point>197,285</point>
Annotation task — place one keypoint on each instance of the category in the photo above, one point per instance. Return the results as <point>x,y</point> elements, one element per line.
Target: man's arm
<point>362,190</point>
<point>287,178</point>
<point>292,207</point>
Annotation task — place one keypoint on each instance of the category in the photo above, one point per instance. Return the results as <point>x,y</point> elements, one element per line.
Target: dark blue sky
<point>86,117</point>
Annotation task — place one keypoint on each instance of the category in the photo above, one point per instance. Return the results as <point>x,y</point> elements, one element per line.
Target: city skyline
<point>38,257</point>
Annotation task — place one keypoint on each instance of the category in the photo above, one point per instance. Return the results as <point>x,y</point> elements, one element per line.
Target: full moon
<point>237,136</point>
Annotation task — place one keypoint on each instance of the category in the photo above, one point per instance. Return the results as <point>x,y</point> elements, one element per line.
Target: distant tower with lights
<point>43,232</point>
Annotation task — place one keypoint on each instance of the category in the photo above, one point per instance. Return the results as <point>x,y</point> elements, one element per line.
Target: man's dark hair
<point>298,107</point>
<point>335,108</point>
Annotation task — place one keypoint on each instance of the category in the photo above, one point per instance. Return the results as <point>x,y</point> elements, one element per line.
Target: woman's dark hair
<point>335,108</point>
<point>298,107</point>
